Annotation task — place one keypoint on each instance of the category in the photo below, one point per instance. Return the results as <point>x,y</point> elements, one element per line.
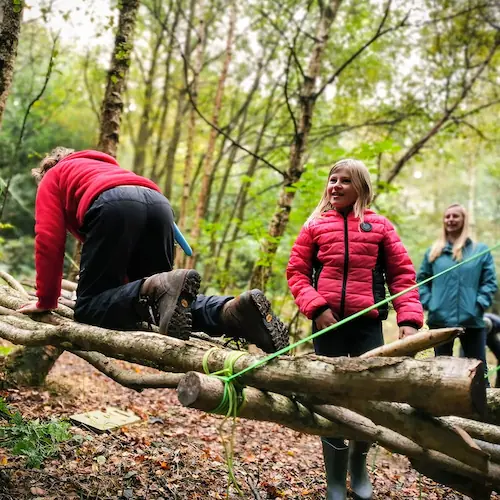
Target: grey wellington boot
<point>249,316</point>
<point>361,485</point>
<point>166,299</point>
<point>335,454</point>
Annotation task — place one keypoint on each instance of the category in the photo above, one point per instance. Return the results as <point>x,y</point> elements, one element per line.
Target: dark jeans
<point>473,342</point>
<point>129,236</point>
<point>352,339</point>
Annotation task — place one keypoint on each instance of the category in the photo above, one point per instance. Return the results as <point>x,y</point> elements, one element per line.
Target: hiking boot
<point>167,297</point>
<point>249,316</point>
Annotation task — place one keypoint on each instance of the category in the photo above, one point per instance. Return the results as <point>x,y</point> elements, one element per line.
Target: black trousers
<point>129,236</point>
<point>352,339</point>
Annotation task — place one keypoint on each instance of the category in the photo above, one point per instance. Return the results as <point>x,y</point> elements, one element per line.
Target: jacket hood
<point>90,154</point>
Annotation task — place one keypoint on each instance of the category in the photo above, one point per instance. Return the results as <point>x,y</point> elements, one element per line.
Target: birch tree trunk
<point>308,95</point>
<point>10,26</point>
<point>112,107</point>
<point>208,163</point>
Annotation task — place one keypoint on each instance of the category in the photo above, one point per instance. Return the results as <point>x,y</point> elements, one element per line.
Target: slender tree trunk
<point>180,112</point>
<point>144,132</point>
<point>112,107</point>
<point>279,221</point>
<point>165,99</point>
<point>208,166</point>
<point>10,26</point>
<point>181,259</point>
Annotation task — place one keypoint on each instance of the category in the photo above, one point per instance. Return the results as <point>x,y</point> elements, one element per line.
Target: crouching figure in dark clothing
<point>126,277</point>
<point>492,327</point>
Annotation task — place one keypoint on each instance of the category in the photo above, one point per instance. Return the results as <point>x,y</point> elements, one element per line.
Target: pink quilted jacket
<point>337,262</point>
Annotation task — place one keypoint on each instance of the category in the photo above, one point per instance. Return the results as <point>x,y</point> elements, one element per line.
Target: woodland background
<point>237,110</point>
<point>411,88</point>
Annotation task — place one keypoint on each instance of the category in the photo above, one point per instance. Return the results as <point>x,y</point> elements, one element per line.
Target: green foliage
<point>34,439</point>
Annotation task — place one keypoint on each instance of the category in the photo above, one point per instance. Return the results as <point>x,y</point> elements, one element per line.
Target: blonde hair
<point>458,245</point>
<point>360,178</point>
<point>55,156</point>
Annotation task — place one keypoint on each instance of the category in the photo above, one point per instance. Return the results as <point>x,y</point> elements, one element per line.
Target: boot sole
<point>181,322</point>
<point>276,330</point>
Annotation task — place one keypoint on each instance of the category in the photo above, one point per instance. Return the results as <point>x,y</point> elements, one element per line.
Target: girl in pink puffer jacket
<point>339,264</point>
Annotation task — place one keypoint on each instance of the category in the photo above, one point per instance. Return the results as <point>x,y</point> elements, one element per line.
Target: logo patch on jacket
<point>366,227</point>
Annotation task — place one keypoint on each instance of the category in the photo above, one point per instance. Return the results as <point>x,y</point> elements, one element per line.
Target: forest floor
<point>175,452</point>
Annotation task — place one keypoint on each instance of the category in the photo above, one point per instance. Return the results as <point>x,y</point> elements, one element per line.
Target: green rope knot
<point>233,398</point>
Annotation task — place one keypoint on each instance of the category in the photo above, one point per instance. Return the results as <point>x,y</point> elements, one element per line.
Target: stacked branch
<point>432,410</point>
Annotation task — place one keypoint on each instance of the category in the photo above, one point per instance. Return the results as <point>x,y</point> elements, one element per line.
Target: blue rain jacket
<point>459,297</point>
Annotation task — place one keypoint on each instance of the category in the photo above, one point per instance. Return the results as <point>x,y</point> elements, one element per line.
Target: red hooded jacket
<point>64,195</point>
<point>339,264</point>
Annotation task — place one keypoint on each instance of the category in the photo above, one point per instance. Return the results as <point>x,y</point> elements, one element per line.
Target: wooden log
<point>424,429</point>
<point>478,430</point>
<point>440,386</point>
<point>493,407</point>
<point>205,393</point>
<point>409,346</point>
<point>474,489</point>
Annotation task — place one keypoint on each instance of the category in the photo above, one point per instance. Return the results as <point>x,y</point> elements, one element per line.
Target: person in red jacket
<point>338,266</point>
<point>126,277</point>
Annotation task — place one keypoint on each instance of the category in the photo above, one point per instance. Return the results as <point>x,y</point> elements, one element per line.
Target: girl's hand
<point>325,319</point>
<point>406,331</point>
<point>31,308</point>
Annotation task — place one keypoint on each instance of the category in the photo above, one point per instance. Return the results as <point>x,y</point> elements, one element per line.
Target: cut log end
<point>189,388</point>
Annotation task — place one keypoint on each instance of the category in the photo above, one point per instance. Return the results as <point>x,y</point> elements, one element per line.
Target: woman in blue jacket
<point>459,297</point>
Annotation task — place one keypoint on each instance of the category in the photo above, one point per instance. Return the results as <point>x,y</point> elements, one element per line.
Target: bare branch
<point>128,378</point>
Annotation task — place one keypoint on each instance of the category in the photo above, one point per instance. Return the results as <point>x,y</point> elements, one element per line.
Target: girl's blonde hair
<point>458,245</point>
<point>360,178</point>
<point>55,156</point>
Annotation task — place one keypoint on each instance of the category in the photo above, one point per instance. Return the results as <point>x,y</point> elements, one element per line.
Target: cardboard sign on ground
<point>110,418</point>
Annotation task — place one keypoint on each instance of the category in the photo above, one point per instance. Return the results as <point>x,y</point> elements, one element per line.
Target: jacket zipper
<point>346,267</point>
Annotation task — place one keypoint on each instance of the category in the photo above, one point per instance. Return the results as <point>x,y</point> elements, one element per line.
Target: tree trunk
<point>165,99</point>
<point>203,200</point>
<point>112,106</point>
<point>279,221</point>
<point>10,26</point>
<point>144,133</point>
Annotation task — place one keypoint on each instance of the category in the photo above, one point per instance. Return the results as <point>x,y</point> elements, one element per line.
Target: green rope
<point>356,315</point>
<point>231,404</point>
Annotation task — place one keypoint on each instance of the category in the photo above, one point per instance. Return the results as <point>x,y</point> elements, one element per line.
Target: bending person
<point>459,297</point>
<point>126,277</point>
<point>338,266</point>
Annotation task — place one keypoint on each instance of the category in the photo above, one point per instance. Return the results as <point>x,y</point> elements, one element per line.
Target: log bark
<point>203,392</point>
<point>478,430</point>
<point>409,346</point>
<point>440,386</point>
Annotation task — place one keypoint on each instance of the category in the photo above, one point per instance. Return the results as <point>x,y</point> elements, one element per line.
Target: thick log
<point>493,407</point>
<point>478,430</point>
<point>409,346</point>
<point>205,393</point>
<point>424,429</point>
<point>440,386</point>
<point>474,489</point>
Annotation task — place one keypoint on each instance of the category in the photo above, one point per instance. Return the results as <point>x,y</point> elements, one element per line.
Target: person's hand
<point>406,331</point>
<point>325,319</point>
<point>30,308</point>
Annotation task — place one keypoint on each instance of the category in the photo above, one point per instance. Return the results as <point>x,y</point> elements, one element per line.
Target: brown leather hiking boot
<point>168,296</point>
<point>249,316</point>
